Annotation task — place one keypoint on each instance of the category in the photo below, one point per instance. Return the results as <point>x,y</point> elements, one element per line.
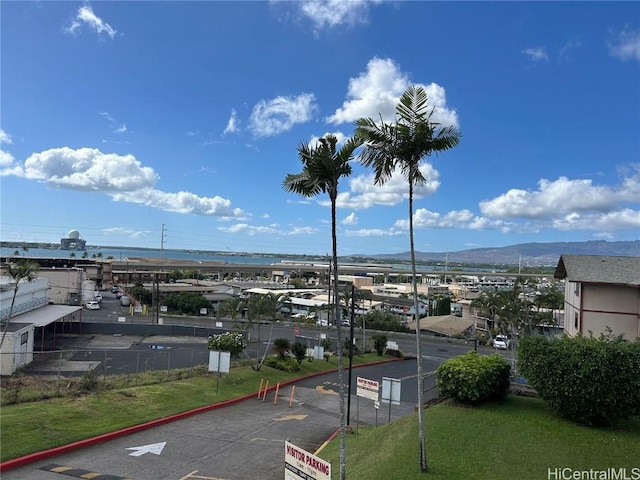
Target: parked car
<point>115,289</point>
<point>119,294</point>
<point>92,305</point>
<point>98,297</point>
<point>124,301</point>
<point>501,342</point>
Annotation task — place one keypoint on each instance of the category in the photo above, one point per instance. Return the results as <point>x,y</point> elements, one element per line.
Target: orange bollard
<point>260,388</point>
<point>275,398</point>
<point>266,387</point>
<point>293,389</point>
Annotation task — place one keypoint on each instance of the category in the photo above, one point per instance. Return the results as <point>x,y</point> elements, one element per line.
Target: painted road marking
<point>290,417</point>
<point>80,473</point>
<point>193,475</point>
<point>326,391</point>
<point>155,448</point>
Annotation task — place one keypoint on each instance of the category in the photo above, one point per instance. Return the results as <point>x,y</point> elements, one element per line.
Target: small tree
<point>281,347</point>
<point>23,270</point>
<point>299,351</point>
<point>379,343</point>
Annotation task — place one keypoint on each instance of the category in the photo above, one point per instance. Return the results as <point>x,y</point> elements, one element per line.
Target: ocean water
<point>123,253</point>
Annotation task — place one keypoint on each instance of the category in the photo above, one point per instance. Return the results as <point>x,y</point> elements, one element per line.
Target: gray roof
<point>599,269</point>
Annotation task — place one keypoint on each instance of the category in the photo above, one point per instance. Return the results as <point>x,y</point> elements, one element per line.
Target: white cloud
<point>626,45</point>
<point>125,232</point>
<point>376,93</point>
<point>375,232</point>
<point>232,124</point>
<point>339,135</point>
<point>121,129</point>
<point>193,133</point>
<point>180,202</point>
<point>459,219</point>
<point>5,137</point>
<point>107,116</point>
<point>122,177</point>
<point>536,54</point>
<point>567,47</point>
<point>363,193</point>
<point>560,197</point>
<point>334,13</point>
<point>271,117</point>
<point>350,219</point>
<point>85,16</point>
<point>252,230</point>
<point>88,169</point>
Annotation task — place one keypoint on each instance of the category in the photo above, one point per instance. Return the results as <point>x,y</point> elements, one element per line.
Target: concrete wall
<point>65,284</point>
<point>17,350</point>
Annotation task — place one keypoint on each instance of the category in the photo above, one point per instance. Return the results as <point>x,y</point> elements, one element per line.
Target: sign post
<point>368,389</point>
<point>391,392</point>
<point>219,362</point>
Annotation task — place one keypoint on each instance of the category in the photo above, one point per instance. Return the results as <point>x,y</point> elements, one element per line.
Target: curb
<point>37,456</point>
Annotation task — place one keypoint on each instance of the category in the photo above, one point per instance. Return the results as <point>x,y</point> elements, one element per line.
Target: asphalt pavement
<point>241,440</point>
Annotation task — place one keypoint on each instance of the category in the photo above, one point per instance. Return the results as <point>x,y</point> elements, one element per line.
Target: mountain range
<point>532,254</point>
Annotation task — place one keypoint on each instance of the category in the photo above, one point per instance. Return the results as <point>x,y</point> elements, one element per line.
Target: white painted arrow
<point>155,448</point>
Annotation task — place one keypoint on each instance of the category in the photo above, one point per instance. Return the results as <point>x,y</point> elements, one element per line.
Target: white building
<point>33,321</point>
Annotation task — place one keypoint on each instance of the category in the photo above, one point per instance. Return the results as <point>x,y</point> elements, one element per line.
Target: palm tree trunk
<point>421,431</point>
<point>336,321</point>
<point>13,301</point>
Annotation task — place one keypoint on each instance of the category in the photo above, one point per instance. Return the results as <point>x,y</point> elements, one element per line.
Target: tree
<point>264,306</point>
<point>281,347</point>
<point>299,351</point>
<point>229,308</point>
<point>322,168</point>
<point>401,146</point>
<point>23,270</point>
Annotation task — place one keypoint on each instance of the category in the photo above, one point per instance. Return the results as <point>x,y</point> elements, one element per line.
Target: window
<point>577,290</point>
<point>24,338</point>
<point>575,320</point>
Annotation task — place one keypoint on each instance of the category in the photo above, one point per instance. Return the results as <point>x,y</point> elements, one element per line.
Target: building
<point>601,292</point>
<point>33,325</point>
<point>73,241</point>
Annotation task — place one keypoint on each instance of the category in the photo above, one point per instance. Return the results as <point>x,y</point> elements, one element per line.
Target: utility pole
<point>162,235</point>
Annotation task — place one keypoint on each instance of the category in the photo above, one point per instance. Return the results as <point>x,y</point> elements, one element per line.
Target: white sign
<point>122,319</point>
<point>155,448</point>
<point>137,309</point>
<point>367,388</point>
<point>391,345</point>
<point>376,405</point>
<point>163,308</point>
<point>302,465</point>
<point>203,311</point>
<point>219,361</point>
<point>391,390</point>
<point>218,324</point>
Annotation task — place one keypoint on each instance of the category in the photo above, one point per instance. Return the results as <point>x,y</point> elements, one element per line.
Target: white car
<point>98,297</point>
<point>501,342</point>
<point>93,305</point>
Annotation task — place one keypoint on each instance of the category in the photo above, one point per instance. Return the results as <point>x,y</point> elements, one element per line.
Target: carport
<point>50,321</point>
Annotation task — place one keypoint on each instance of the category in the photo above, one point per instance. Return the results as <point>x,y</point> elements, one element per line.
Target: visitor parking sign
<point>302,465</point>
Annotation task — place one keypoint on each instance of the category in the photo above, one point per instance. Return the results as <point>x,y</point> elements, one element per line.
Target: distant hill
<point>534,254</point>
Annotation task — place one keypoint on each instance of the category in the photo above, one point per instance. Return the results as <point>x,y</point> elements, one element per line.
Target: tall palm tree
<point>19,271</point>
<point>322,168</point>
<point>401,146</point>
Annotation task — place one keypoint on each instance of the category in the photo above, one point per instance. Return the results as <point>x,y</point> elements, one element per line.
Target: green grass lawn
<point>35,426</point>
<point>515,439</point>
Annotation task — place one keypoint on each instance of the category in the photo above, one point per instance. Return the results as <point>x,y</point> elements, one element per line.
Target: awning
<point>45,315</point>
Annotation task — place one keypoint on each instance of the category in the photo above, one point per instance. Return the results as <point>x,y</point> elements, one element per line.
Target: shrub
<point>473,378</point>
<point>228,342</point>
<point>379,343</point>
<point>281,347</point>
<point>287,364</point>
<point>299,351</point>
<point>593,381</point>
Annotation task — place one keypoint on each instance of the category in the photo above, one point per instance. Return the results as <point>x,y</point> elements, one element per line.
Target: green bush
<point>594,381</point>
<point>287,364</point>
<point>299,351</point>
<point>379,343</point>
<point>473,378</point>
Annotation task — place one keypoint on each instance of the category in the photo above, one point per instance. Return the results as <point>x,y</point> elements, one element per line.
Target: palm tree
<point>265,306</point>
<point>19,271</point>
<point>401,146</point>
<point>322,168</point>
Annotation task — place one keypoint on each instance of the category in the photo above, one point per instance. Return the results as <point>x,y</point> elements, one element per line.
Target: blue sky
<point>120,117</point>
